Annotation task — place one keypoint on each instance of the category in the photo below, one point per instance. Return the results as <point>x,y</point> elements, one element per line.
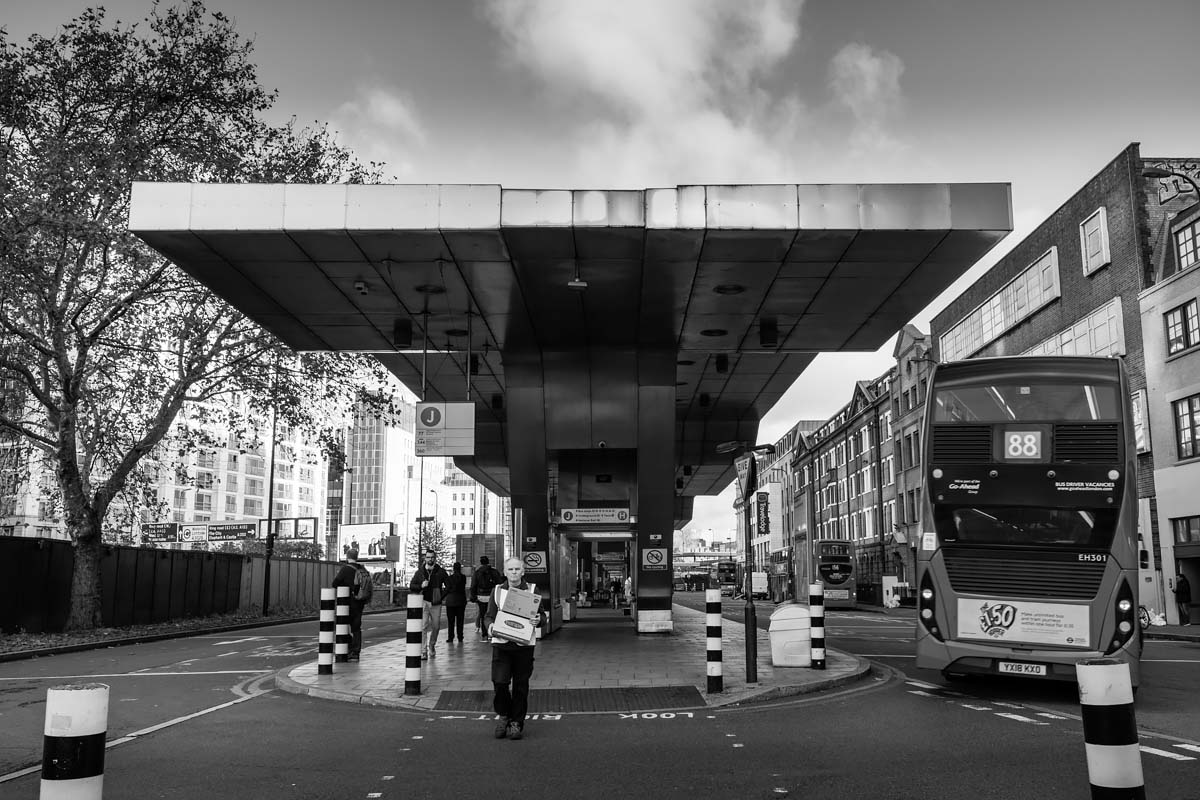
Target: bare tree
<point>102,342</point>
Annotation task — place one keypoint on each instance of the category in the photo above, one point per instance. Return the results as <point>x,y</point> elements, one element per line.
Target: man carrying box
<point>513,615</point>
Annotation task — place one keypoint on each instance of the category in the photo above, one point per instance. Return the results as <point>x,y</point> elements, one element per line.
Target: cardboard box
<point>513,628</point>
<point>520,603</point>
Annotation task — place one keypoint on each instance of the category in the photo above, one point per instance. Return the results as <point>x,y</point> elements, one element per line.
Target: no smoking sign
<point>535,561</point>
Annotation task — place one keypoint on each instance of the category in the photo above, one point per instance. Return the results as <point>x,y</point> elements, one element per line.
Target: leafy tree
<point>432,537</point>
<point>102,342</point>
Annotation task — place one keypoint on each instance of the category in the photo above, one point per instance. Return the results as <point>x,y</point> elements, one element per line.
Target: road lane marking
<point>1154,751</point>
<point>975,708</point>
<point>136,675</point>
<point>922,684</point>
<point>238,641</point>
<point>1019,718</point>
<point>1192,747</point>
<point>230,653</point>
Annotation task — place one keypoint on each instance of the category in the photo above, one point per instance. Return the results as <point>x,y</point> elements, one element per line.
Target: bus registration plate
<point>1019,668</point>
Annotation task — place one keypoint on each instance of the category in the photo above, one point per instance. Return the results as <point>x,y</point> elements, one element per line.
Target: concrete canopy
<point>719,295</point>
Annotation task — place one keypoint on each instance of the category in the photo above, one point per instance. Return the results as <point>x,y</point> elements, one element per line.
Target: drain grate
<point>549,701</point>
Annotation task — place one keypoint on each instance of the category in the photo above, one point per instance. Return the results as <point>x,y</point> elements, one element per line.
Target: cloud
<point>382,126</point>
<point>665,92</point>
<point>866,82</point>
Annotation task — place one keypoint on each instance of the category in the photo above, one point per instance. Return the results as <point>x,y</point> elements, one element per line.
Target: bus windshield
<point>1013,525</point>
<point>1014,400</point>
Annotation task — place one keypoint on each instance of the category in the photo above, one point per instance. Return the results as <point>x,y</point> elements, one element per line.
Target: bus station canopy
<point>733,289</point>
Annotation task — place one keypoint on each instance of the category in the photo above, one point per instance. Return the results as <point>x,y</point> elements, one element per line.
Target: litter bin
<point>791,636</point>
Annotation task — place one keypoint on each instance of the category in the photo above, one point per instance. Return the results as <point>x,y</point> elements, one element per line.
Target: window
<point>203,501</point>
<point>252,508</point>
<point>1187,530</point>
<point>1093,241</point>
<point>1183,327</point>
<point>1185,244</point>
<point>204,480</point>
<point>1187,425</point>
<point>180,499</point>
<point>230,504</point>
<point>1100,333</point>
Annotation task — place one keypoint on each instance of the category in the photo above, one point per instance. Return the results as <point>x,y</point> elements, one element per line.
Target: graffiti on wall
<point>1176,185</point>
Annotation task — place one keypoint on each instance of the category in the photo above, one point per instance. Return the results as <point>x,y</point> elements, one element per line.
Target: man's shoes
<point>515,730</point>
<point>424,655</point>
<point>501,728</point>
<point>353,656</point>
<point>449,641</point>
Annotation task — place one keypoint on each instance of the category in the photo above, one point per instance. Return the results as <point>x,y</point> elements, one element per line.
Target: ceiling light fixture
<point>577,284</point>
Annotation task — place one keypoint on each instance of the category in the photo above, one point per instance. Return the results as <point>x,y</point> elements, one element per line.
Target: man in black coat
<point>430,581</point>
<point>348,576</point>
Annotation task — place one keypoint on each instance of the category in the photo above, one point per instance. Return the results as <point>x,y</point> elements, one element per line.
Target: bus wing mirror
<point>1144,559</point>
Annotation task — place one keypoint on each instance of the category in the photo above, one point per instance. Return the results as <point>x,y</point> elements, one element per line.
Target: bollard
<point>325,635</point>
<point>412,644</point>
<point>1110,736</point>
<point>73,746</point>
<point>341,646</point>
<point>712,630</point>
<point>816,613</point>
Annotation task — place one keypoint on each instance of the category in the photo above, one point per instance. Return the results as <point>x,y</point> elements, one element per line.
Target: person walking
<point>486,579</point>
<point>1183,598</point>
<point>512,663</point>
<point>455,602</point>
<point>351,576</point>
<point>430,581</point>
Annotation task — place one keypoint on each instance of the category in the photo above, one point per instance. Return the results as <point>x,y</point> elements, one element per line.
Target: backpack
<point>365,586</point>
<point>485,580</point>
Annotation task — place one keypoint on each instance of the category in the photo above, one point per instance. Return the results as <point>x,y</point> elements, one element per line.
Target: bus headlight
<point>1124,605</point>
<point>927,594</point>
<point>1124,610</point>
<point>1125,627</point>
<point>927,607</point>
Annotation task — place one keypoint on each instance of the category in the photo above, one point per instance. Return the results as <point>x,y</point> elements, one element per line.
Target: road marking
<point>976,708</point>
<point>136,675</point>
<point>1048,715</point>
<point>922,684</point>
<point>238,641</point>
<point>230,653</point>
<point>1193,747</point>
<point>1019,718</point>
<point>1154,751</point>
<point>921,693</point>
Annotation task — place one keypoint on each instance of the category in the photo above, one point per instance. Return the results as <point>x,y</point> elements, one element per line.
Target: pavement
<point>595,663</point>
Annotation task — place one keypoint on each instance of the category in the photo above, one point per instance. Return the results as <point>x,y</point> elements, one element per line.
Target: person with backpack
<point>485,579</point>
<point>358,579</point>
<point>456,602</point>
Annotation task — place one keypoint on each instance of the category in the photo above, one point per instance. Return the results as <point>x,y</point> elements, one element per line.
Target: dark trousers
<point>512,665</point>
<point>454,621</point>
<point>1184,618</point>
<point>479,620</point>
<point>356,609</point>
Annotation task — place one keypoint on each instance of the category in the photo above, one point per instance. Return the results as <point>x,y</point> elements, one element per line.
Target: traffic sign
<point>654,559</point>
<point>445,429</point>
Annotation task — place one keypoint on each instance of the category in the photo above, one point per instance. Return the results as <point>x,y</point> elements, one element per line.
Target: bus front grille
<point>1013,577</point>
<point>962,444</point>
<point>1092,442</point>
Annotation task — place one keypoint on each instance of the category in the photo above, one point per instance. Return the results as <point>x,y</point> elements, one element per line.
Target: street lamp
<point>749,482</point>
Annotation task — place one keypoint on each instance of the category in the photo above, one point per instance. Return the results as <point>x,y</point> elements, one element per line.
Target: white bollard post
<point>341,646</point>
<point>1110,736</point>
<point>73,745</point>
<point>816,613</point>
<point>325,637</point>
<point>712,633</point>
<point>412,644</point>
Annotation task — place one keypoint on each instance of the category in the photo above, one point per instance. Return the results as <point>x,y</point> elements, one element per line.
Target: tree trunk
<point>85,580</point>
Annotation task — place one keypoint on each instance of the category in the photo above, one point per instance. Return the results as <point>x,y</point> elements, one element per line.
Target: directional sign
<point>231,531</point>
<point>535,561</point>
<point>654,558</point>
<point>594,516</point>
<point>193,533</point>
<point>445,429</point>
<point>160,531</point>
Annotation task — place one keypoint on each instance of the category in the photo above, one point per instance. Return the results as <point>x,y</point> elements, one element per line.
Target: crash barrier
<point>73,745</point>
<point>712,641</point>
<point>1110,736</point>
<point>816,613</point>
<point>325,636</point>
<point>412,643</point>
<point>341,645</point>
<point>791,636</point>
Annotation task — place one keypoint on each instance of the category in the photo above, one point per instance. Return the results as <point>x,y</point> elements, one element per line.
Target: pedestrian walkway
<point>594,663</point>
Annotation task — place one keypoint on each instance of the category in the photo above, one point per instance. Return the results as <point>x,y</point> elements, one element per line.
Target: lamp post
<point>749,482</point>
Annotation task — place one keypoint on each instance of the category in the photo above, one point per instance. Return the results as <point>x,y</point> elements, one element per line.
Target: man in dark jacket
<point>512,663</point>
<point>348,576</point>
<point>430,581</point>
<point>1183,598</point>
<point>485,579</point>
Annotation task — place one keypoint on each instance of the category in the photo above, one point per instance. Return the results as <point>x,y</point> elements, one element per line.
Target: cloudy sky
<point>647,93</point>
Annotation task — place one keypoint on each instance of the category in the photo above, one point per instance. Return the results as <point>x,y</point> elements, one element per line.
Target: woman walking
<point>456,602</point>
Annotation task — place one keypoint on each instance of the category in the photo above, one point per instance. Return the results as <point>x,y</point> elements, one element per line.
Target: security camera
<point>360,287</point>
<point>602,444</point>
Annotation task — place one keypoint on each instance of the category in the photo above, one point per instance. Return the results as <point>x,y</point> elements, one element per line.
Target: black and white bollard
<point>341,645</point>
<point>712,633</point>
<point>412,643</point>
<point>816,614</point>
<point>1110,735</point>
<point>73,746</point>
<point>326,634</point>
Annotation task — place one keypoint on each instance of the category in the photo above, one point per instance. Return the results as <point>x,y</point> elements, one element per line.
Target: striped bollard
<point>341,647</point>
<point>325,637</point>
<point>712,632</point>
<point>412,644</point>
<point>816,614</point>
<point>73,746</point>
<point>1110,736</point>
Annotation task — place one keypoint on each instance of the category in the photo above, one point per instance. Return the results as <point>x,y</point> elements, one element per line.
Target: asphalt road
<point>897,735</point>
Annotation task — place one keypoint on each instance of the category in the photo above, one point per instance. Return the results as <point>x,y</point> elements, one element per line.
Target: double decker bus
<point>1028,559</point>
<point>832,562</point>
<point>726,577</point>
